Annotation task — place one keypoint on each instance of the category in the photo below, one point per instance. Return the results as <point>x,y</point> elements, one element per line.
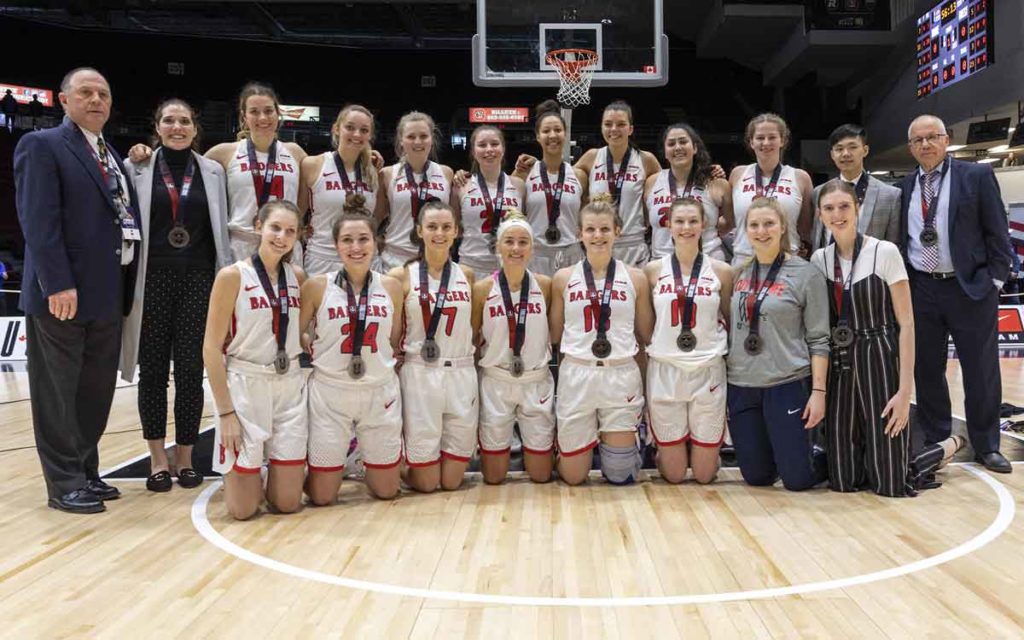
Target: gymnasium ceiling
<point>772,36</point>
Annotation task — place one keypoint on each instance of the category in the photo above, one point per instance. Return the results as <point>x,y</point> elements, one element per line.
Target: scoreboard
<point>954,41</point>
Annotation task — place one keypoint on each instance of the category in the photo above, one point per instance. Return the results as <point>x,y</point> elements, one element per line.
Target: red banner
<point>493,115</point>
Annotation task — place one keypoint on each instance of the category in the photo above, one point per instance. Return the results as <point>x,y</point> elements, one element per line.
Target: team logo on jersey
<point>452,296</point>
<point>260,302</point>
<point>779,190</point>
<point>498,311</point>
<point>566,187</point>
<point>431,186</point>
<point>671,289</point>
<point>279,167</point>
<point>372,310</point>
<point>335,185</point>
<point>576,296</point>
<point>507,201</point>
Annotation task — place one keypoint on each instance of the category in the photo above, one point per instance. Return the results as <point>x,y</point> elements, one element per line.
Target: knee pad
<point>619,465</point>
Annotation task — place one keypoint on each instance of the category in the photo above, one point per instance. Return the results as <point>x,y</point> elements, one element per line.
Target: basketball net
<point>575,69</point>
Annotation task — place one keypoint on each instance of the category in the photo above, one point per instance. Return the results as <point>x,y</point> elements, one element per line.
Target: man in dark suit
<point>75,209</point>
<point>879,202</point>
<point>957,247</point>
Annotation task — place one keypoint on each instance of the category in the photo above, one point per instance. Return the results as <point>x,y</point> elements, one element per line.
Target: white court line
<point>1002,521</point>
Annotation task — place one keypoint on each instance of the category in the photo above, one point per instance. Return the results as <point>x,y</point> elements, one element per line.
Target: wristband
<point>821,390</point>
<point>226,413</point>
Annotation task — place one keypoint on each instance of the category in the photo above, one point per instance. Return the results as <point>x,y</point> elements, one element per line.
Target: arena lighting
<point>987,160</point>
<point>955,147</point>
<point>999,148</point>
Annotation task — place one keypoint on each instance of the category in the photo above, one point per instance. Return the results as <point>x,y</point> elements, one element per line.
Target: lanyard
<point>419,194</point>
<point>773,184</point>
<point>553,195</point>
<point>262,183</point>
<point>685,295</point>
<point>842,287</point>
<point>172,191</point>
<point>928,212</point>
<point>278,304</point>
<point>356,312</point>
<point>516,318</point>
<point>601,304</point>
<point>759,291</point>
<point>615,188</point>
<point>110,177</point>
<point>432,318</point>
<point>346,184</point>
<point>493,212</point>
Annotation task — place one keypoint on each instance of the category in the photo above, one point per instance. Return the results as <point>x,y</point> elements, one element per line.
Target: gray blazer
<point>141,175</point>
<point>879,215</point>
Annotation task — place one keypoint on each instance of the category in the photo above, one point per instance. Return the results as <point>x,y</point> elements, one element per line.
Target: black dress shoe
<point>189,478</point>
<point>102,490</point>
<point>160,482</point>
<point>994,461</point>
<point>78,501</point>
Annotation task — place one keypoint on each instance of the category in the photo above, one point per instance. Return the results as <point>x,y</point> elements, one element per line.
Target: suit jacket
<point>879,215</point>
<point>141,176</point>
<point>71,226</point>
<point>979,238</point>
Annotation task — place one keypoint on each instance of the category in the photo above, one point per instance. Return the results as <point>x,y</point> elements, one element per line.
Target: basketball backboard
<point>514,36</point>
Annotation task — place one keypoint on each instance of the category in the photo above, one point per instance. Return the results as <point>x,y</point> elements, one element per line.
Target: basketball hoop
<point>575,69</point>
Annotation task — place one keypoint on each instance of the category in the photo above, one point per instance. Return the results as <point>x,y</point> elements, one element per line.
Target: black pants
<point>173,324</point>
<point>72,370</point>
<point>942,309</point>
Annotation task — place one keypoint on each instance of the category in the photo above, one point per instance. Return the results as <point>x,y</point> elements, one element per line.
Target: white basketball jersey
<point>333,332</point>
<point>631,197</point>
<point>242,190</point>
<point>327,202</point>
<point>497,347</point>
<point>659,209</point>
<point>454,332</point>
<point>711,333</point>
<point>400,194</point>
<point>787,192</point>
<point>568,209</point>
<point>581,318</point>
<point>476,222</point>
<point>252,324</point>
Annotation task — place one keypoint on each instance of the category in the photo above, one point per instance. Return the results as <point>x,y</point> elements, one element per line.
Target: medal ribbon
<point>418,195</point>
<point>172,191</point>
<point>755,300</point>
<point>615,188</point>
<point>553,195</point>
<point>773,184</point>
<point>601,305</point>
<point>673,186</point>
<point>930,209</point>
<point>278,304</point>
<point>432,318</point>
<point>493,212</point>
<point>516,318</point>
<point>262,186</point>
<point>346,184</point>
<point>685,295</point>
<point>842,288</point>
<point>357,312</point>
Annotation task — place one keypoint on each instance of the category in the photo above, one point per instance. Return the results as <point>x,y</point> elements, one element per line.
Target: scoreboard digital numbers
<point>954,41</point>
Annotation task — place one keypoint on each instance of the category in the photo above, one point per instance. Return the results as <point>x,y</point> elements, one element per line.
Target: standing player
<point>408,186</point>
<point>510,322</point>
<point>331,177</point>
<point>484,198</point>
<point>258,388</point>
<point>553,195</point>
<point>356,323</point>
<point>439,383</point>
<point>690,174</point>
<point>620,170</point>
<point>260,168</point>
<point>767,135</point>
<point>778,360</point>
<point>686,367</point>
<point>601,313</point>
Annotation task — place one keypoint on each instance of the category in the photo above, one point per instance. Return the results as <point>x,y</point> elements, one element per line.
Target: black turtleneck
<point>194,212</point>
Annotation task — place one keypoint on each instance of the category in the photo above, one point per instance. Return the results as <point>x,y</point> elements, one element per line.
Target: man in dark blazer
<point>81,232</point>
<point>956,243</point>
<point>879,202</point>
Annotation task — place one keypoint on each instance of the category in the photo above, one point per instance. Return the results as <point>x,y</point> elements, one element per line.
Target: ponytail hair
<point>354,210</point>
<point>691,202</point>
<point>249,90</point>
<point>271,207</point>
<point>434,204</point>
<point>547,109</point>
<point>366,169</point>
<point>601,205</point>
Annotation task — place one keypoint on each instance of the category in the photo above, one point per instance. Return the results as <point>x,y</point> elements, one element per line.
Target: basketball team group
<point>419,309</point>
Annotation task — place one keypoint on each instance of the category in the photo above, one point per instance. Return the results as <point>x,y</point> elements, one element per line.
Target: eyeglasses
<point>930,139</point>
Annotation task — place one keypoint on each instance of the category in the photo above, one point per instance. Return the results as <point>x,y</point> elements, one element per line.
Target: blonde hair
<point>369,174</point>
<point>406,120</point>
<point>763,202</point>
<point>514,218</point>
<point>601,204</point>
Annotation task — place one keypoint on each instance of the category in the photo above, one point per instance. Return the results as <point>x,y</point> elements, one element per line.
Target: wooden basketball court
<point>515,561</point>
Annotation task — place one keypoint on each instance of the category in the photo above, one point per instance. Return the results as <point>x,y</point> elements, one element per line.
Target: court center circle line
<point>1007,511</point>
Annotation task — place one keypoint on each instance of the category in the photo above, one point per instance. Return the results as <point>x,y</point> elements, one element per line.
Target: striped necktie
<point>929,255</point>
<point>111,173</point>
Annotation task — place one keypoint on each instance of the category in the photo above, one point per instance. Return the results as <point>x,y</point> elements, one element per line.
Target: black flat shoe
<point>994,461</point>
<point>78,501</point>
<point>160,482</point>
<point>189,478</point>
<point>102,490</point>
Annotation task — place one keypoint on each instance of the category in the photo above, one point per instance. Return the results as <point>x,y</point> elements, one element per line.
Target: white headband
<point>511,223</point>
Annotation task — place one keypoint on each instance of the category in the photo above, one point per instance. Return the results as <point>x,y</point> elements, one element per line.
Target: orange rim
<point>584,58</point>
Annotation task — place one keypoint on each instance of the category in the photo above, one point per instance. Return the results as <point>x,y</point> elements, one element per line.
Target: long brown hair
<point>249,90</point>
<point>159,114</point>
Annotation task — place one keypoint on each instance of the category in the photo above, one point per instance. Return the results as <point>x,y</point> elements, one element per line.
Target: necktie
<point>929,255</point>
<point>111,173</point>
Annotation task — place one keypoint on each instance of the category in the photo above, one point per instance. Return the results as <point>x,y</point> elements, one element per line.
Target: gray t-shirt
<point>794,324</point>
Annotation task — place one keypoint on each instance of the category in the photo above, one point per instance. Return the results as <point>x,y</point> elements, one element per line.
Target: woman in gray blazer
<point>183,207</point>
